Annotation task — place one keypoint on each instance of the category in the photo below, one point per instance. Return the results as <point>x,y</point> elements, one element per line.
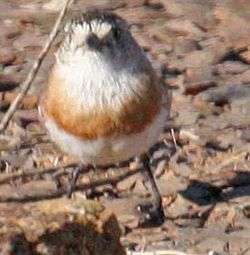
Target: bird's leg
<point>152,213</point>
<point>73,179</point>
<point>74,174</point>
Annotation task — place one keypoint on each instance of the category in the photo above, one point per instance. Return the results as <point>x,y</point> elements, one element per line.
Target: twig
<point>29,79</point>
<point>6,178</point>
<point>174,139</point>
<point>94,180</point>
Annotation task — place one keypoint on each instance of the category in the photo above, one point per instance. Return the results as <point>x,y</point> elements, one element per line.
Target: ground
<point>202,50</point>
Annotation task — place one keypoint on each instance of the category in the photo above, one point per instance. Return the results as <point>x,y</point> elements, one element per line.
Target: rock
<point>185,46</point>
<point>26,117</point>
<point>8,142</point>
<point>9,82</point>
<point>245,56</point>
<point>179,207</point>
<point>7,56</point>
<point>230,67</point>
<point>54,5</point>
<point>9,30</point>
<point>184,27</point>
<point>246,135</point>
<point>239,244</point>
<point>12,70</point>
<point>240,111</point>
<point>59,226</point>
<point>198,59</point>
<point>198,80</point>
<point>129,221</point>
<point>29,40</point>
<point>226,94</point>
<point>232,25</point>
<point>238,79</point>
<point>200,12</point>
<point>210,42</point>
<point>28,102</point>
<point>189,135</point>
<point>186,114</point>
<point>206,245</point>
<point>154,4</point>
<point>195,88</point>
<point>128,184</point>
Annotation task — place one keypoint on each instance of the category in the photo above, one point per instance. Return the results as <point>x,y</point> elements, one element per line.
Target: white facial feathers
<point>99,28</point>
<point>80,31</point>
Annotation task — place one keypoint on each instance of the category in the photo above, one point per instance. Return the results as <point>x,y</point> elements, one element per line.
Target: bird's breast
<point>97,110</point>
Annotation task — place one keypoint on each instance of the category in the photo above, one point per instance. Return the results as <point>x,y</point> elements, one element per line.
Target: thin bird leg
<point>155,213</point>
<point>74,175</point>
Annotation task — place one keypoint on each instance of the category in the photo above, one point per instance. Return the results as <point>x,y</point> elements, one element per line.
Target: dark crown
<point>100,15</point>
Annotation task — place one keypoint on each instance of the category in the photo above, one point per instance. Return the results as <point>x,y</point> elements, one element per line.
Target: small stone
<point>54,5</point>
<point>238,79</point>
<point>215,243</point>
<point>9,29</point>
<point>127,184</point>
<point>245,56</point>
<point>230,67</point>
<point>185,46</point>
<point>226,94</point>
<point>129,221</point>
<point>245,135</point>
<point>30,40</point>
<point>12,70</point>
<point>210,42</point>
<point>184,27</point>
<point>196,59</point>
<point>196,88</point>
<point>7,56</point>
<point>9,82</point>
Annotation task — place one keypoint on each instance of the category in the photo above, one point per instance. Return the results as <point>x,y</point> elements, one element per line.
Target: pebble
<point>226,94</point>
<point>184,27</point>
<point>230,67</point>
<point>7,56</point>
<point>245,56</point>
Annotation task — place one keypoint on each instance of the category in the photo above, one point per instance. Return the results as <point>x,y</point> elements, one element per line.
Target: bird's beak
<point>93,42</point>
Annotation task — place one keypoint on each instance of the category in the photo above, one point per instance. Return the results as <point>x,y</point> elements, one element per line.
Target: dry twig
<point>7,178</point>
<point>93,180</point>
<point>32,74</point>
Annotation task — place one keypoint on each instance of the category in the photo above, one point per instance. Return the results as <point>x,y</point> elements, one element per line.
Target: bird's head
<point>98,32</point>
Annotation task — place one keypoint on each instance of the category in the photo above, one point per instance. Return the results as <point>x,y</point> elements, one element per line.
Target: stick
<point>6,178</point>
<point>95,180</point>
<point>29,79</point>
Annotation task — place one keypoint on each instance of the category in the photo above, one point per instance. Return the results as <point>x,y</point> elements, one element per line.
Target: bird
<point>104,102</point>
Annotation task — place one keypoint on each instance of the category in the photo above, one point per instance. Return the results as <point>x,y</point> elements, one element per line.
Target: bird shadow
<point>204,193</point>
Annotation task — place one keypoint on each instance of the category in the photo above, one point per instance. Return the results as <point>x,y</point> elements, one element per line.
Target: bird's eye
<point>116,33</point>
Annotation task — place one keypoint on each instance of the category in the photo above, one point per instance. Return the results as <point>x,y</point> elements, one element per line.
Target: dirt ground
<point>202,49</point>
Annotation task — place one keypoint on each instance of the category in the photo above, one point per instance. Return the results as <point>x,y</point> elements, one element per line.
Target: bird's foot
<point>150,214</point>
